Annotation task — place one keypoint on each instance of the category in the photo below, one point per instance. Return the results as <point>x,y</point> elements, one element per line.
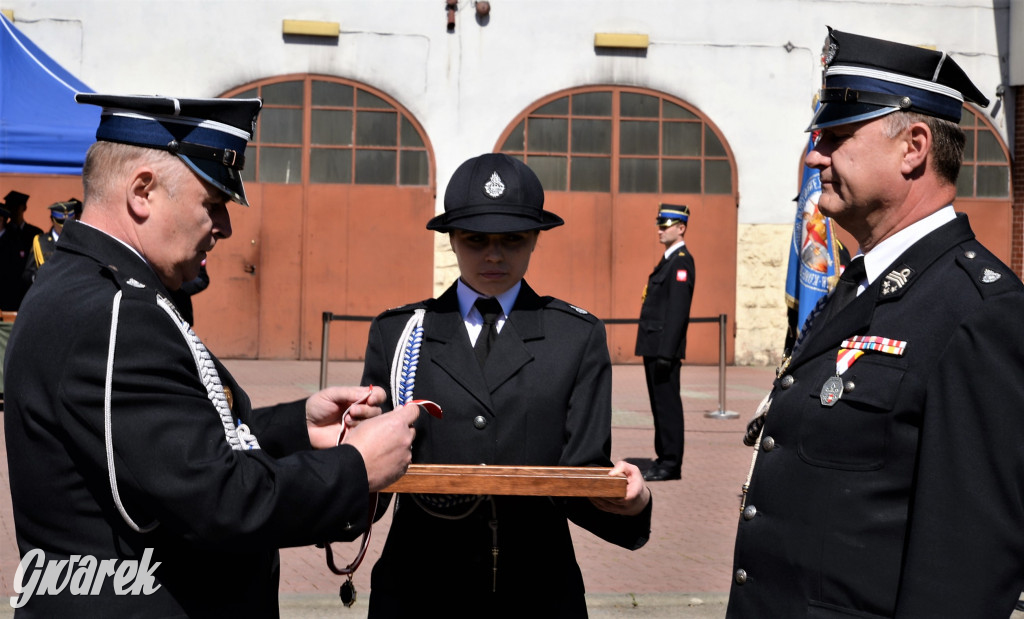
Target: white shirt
<point>471,315</point>
<point>883,254</point>
<point>671,250</point>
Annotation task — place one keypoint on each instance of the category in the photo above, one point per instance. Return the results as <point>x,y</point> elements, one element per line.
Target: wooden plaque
<point>586,481</point>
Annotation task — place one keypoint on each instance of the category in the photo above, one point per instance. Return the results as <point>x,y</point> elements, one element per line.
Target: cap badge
<point>895,280</point>
<point>989,276</point>
<point>828,51</point>
<point>494,187</point>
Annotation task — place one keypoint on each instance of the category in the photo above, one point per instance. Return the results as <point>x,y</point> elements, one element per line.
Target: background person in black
<point>541,397</point>
<point>16,250</point>
<point>44,244</point>
<point>10,258</point>
<point>887,479</point>
<point>126,436</point>
<point>661,339</point>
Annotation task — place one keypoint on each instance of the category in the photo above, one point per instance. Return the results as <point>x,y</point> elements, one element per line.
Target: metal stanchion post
<point>327,317</point>
<point>722,413</point>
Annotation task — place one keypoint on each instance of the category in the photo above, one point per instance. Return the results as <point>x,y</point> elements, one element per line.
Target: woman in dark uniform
<point>541,396</point>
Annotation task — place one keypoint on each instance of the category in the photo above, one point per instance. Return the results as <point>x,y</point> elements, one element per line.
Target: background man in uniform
<point>10,258</point>
<point>138,444</point>
<point>661,339</point>
<point>887,480</point>
<point>44,244</point>
<point>16,248</point>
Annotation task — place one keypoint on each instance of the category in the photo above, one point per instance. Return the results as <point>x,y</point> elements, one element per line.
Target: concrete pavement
<point>683,572</point>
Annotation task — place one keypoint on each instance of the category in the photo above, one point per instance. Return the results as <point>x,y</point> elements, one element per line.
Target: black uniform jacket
<point>665,313</point>
<point>905,498</point>
<point>543,398</point>
<point>222,513</point>
<point>42,248</point>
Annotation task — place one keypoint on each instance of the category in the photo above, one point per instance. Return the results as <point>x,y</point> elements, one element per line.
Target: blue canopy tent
<point>42,129</point>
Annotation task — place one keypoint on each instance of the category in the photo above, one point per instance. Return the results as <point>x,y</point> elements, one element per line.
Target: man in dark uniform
<point>10,259</point>
<point>131,450</point>
<point>887,480</point>
<point>15,250</point>
<point>661,339</point>
<point>526,382</point>
<point>44,244</point>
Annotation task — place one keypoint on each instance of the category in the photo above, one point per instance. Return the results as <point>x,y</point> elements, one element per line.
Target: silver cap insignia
<point>494,187</point>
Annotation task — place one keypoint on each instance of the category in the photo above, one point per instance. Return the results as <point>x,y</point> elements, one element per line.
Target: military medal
<point>347,593</point>
<point>851,350</point>
<point>831,391</point>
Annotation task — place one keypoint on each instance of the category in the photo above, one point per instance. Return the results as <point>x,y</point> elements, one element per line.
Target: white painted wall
<point>752,66</point>
<point>727,58</point>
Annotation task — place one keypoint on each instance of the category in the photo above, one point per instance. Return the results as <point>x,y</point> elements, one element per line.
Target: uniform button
<point>479,422</point>
<point>740,576</point>
<point>749,512</point>
<point>849,385</point>
<point>787,381</point>
<point>970,254</point>
<point>768,443</point>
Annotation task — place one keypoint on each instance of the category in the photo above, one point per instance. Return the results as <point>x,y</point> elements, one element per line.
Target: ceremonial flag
<point>813,253</point>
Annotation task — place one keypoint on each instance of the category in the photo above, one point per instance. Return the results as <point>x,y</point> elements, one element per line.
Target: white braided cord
<point>406,360</point>
<point>108,435</point>
<point>403,384</point>
<point>240,437</point>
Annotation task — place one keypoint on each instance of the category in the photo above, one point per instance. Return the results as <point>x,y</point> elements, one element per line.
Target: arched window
<point>607,157</point>
<point>317,130</point>
<point>333,163</point>
<point>986,169</point>
<point>661,146</point>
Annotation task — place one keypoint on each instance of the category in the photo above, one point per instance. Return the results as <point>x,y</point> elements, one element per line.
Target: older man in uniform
<point>661,339</point>
<point>137,454</point>
<point>887,480</point>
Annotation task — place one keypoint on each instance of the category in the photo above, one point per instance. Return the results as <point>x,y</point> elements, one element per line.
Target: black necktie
<point>846,287</point>
<point>490,309</point>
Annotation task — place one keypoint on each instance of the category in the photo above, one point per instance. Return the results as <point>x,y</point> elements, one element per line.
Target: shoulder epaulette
<point>404,309</point>
<point>569,308</point>
<point>988,274</point>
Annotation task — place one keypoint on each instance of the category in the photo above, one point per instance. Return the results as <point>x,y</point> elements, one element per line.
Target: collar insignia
<point>896,279</point>
<point>579,309</point>
<point>136,283</point>
<point>494,187</point>
<point>989,276</point>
